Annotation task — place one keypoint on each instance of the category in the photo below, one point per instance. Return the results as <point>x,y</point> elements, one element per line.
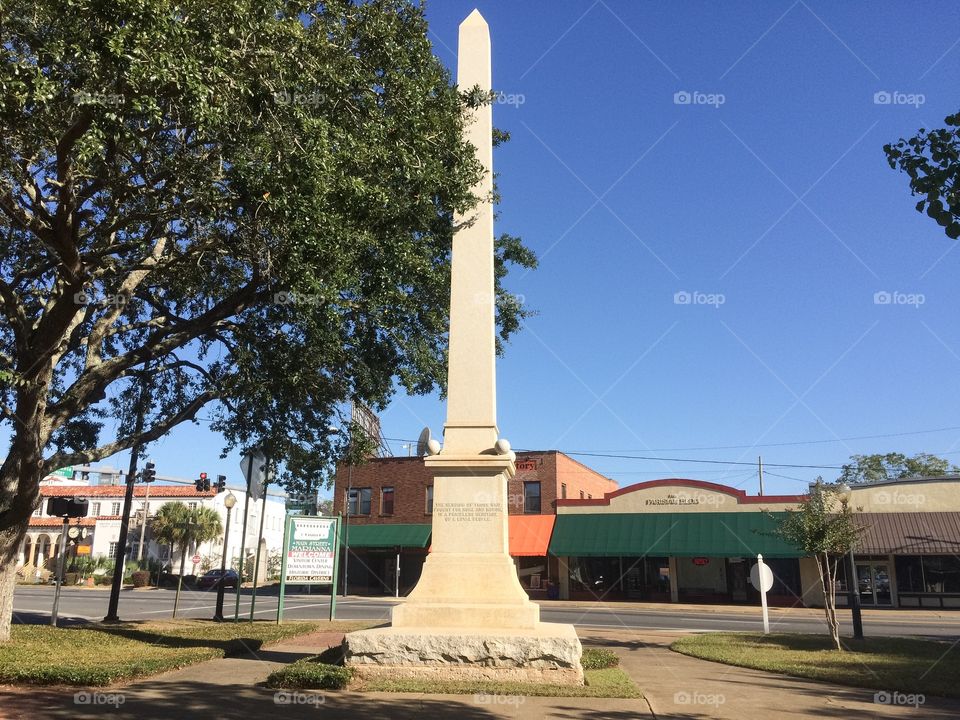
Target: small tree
<point>823,527</point>
<point>176,524</point>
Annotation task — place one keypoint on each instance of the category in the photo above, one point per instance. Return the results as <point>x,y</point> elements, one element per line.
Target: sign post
<point>761,577</point>
<point>311,547</point>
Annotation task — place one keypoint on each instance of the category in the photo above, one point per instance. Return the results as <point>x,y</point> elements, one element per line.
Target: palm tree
<point>176,524</point>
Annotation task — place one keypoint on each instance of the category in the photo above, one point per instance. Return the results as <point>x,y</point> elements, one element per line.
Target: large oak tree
<point>240,206</point>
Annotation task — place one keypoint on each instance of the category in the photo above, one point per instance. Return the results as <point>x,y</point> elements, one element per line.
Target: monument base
<point>549,653</point>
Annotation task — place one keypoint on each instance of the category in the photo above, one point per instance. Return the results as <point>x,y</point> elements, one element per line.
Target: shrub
<point>598,659</point>
<point>104,579</point>
<point>140,578</point>
<point>310,674</point>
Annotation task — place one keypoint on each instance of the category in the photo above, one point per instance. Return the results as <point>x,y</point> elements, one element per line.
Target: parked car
<point>213,578</point>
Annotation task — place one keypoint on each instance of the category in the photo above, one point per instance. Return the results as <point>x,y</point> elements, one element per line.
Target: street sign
<point>311,547</point>
<point>254,467</point>
<point>196,559</point>
<point>66,472</point>
<point>761,577</point>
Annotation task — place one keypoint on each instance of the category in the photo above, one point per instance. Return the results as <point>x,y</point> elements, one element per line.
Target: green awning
<point>721,534</point>
<point>386,536</point>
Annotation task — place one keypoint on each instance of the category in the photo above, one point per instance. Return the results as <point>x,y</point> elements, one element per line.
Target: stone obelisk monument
<point>469,617</point>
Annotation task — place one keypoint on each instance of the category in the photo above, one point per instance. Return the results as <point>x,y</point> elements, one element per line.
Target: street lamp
<point>853,589</point>
<point>229,501</point>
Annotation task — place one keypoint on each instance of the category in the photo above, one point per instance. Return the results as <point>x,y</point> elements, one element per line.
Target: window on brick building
<point>358,502</point>
<point>429,499</point>
<point>386,501</point>
<point>563,491</point>
<point>531,497</point>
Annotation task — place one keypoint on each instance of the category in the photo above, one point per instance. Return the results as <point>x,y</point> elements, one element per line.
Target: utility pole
<point>143,525</point>
<point>118,560</point>
<point>760,471</point>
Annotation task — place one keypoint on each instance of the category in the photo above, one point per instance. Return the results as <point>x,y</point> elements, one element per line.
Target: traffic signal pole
<point>127,502</point>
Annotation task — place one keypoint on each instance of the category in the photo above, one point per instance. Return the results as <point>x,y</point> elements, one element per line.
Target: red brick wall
<point>409,478</point>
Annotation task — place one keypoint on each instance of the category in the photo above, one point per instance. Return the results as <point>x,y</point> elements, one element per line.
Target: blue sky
<point>765,201</point>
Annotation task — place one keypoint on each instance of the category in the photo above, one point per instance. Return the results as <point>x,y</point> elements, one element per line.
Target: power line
<point>797,442</point>
<point>708,462</point>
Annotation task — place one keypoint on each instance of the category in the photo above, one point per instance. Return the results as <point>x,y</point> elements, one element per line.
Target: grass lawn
<point>104,654</point>
<point>908,665</point>
<point>602,679</point>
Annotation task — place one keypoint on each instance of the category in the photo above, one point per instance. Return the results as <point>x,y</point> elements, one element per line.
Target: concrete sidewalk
<point>678,686</point>
<point>675,686</point>
<point>228,689</point>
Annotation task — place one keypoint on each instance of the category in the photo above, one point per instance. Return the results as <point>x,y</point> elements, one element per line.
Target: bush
<point>310,674</point>
<point>140,578</point>
<point>104,579</point>
<point>598,659</point>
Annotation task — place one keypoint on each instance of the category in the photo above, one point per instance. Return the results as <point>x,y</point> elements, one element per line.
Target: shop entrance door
<point>873,583</point>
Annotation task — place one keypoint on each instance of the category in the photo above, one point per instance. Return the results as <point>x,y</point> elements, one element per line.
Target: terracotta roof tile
<point>96,491</point>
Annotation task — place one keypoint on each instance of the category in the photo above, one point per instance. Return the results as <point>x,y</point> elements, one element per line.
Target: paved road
<point>33,604</point>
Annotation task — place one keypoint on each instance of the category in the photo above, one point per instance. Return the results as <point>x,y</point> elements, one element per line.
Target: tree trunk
<point>829,598</point>
<point>9,547</point>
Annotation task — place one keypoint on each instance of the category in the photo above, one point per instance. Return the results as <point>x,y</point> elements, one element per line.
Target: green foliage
<point>244,207</point>
<point>310,673</point>
<point>101,655</point>
<point>598,658</point>
<point>604,683</point>
<point>176,524</point>
<point>823,524</point>
<point>893,466</point>
<point>932,160</point>
<point>140,578</point>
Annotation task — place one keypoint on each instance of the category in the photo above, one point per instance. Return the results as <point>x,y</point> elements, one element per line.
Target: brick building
<point>388,505</point>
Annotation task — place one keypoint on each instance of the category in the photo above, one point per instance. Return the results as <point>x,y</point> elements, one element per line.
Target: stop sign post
<point>196,559</point>
<point>761,577</point>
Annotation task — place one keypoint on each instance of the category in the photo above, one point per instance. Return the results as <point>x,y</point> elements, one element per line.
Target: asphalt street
<point>32,604</point>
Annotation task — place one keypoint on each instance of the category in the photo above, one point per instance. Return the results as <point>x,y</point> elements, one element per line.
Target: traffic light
<point>149,473</point>
<point>221,483</point>
<point>203,483</point>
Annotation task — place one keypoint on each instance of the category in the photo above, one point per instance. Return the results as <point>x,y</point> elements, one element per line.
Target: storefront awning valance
<point>721,534</point>
<point>530,535</point>
<point>386,536</point>
<point>909,533</point>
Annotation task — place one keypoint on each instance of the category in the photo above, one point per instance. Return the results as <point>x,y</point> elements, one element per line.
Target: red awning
<point>530,535</point>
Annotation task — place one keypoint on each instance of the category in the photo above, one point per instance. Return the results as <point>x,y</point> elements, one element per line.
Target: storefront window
<point>909,574</point>
<point>941,574</point>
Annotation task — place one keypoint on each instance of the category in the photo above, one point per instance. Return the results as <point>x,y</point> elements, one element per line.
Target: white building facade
<point>40,547</point>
